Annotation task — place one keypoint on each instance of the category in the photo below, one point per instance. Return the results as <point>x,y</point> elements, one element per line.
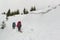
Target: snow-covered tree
<point>3,25</point>
<point>33,8</point>
<point>25,11</point>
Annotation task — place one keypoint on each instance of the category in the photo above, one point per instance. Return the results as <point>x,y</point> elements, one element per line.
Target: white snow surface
<point>34,26</point>
<point>42,24</point>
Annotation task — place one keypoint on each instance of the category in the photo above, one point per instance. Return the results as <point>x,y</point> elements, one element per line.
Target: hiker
<point>19,26</point>
<point>13,25</point>
<point>3,25</point>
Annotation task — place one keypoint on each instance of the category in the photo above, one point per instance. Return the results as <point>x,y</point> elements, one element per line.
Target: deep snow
<point>43,24</point>
<point>34,26</point>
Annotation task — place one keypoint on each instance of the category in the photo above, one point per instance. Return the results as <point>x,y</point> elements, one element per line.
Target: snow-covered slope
<point>34,27</point>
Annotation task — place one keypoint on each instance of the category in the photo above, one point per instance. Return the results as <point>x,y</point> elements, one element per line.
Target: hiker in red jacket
<point>19,26</point>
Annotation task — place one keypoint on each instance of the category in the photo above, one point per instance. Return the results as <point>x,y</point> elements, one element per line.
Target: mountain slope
<point>34,27</point>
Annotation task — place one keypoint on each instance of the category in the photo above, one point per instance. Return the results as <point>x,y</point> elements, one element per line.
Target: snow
<point>37,25</point>
<point>34,27</point>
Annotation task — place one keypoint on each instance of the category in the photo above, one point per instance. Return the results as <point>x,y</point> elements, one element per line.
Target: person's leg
<point>13,27</point>
<point>18,28</point>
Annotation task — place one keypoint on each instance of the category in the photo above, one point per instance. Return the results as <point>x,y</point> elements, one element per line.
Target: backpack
<point>13,24</point>
<point>18,24</point>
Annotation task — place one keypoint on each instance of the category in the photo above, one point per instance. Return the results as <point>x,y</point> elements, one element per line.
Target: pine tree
<point>17,11</point>
<point>8,13</point>
<point>33,8</point>
<point>25,11</point>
